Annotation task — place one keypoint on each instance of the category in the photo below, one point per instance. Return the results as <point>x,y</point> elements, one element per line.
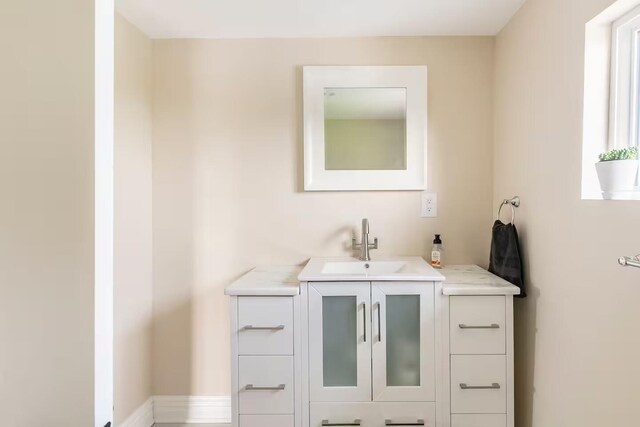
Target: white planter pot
<point>617,175</point>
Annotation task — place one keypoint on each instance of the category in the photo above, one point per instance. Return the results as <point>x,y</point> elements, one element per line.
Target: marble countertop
<point>267,281</point>
<point>283,281</point>
<point>473,280</point>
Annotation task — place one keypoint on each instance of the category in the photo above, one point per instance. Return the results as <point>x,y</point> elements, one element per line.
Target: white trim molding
<point>103,227</point>
<point>625,74</point>
<point>142,417</point>
<point>181,410</point>
<point>192,409</point>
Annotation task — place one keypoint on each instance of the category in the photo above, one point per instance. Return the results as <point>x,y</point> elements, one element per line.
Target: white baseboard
<point>142,417</point>
<point>177,411</point>
<point>192,409</point>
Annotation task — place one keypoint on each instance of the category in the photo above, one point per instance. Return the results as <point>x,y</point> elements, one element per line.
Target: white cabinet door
<point>340,342</point>
<point>403,341</point>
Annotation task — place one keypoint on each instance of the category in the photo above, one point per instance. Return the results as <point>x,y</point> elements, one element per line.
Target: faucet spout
<point>365,226</point>
<point>364,246</point>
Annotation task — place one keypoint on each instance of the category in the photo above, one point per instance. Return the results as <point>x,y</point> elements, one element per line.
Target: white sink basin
<point>361,267</point>
<point>384,269</point>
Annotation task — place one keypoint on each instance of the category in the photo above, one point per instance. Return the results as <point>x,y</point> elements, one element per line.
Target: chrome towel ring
<point>626,261</point>
<point>514,203</point>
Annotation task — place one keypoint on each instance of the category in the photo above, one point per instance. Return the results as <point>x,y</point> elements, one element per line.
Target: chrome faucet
<point>364,246</point>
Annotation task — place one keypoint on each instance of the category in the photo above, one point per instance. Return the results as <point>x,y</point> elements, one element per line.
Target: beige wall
<point>132,232</point>
<point>46,218</point>
<point>576,356</point>
<point>227,178</point>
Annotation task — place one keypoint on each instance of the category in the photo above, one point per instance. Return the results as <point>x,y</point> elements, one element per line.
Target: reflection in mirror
<point>365,128</point>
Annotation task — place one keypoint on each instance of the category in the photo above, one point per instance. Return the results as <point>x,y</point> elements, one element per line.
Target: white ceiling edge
<point>292,19</point>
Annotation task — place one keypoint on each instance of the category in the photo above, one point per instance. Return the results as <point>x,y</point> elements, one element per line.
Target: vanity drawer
<point>265,385</point>
<point>265,325</point>
<point>374,414</point>
<point>266,421</point>
<point>479,420</point>
<point>405,413</point>
<point>477,324</point>
<point>340,413</point>
<point>478,384</point>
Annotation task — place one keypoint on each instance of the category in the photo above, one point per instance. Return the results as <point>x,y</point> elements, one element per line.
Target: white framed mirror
<point>365,128</point>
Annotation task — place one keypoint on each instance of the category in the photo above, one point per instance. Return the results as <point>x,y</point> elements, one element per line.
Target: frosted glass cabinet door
<point>403,341</point>
<point>340,342</point>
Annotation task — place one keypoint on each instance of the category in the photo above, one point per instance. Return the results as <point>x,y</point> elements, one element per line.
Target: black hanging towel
<point>505,260</point>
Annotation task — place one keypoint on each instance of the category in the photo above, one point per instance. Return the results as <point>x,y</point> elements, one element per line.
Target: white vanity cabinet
<point>372,353</point>
<point>371,341</point>
<point>265,348</point>
<point>479,331</point>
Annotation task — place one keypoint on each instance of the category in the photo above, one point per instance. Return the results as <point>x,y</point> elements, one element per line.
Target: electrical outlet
<point>429,205</point>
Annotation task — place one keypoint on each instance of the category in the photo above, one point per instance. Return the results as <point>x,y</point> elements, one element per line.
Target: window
<point>611,115</point>
<point>624,120</point>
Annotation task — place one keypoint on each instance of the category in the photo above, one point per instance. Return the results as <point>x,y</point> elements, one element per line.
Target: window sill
<point>623,195</point>
<point>591,191</point>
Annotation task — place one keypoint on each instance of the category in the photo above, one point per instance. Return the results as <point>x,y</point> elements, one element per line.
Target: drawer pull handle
<point>493,386</point>
<point>251,387</point>
<point>354,423</point>
<point>391,423</point>
<point>491,326</point>
<point>263,328</point>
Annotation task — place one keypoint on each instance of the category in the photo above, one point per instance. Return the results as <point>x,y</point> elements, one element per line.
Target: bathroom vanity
<point>389,342</point>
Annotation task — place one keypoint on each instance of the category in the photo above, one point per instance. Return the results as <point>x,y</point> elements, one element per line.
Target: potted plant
<point>617,171</point>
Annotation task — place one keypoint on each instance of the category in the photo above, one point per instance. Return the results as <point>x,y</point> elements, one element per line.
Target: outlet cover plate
<point>429,205</point>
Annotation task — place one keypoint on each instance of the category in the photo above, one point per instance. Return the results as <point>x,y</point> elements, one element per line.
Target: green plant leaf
<point>630,153</point>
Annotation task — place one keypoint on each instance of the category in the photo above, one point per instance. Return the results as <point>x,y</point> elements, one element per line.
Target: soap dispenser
<point>436,252</point>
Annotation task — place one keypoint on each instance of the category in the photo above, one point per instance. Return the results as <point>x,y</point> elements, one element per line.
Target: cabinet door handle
<point>491,326</point>
<point>391,423</point>
<point>493,386</point>
<point>251,387</point>
<point>263,328</point>
<point>364,321</point>
<point>328,423</point>
<point>379,324</point>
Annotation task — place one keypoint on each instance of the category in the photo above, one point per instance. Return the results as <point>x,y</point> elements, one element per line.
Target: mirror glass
<point>365,128</point>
